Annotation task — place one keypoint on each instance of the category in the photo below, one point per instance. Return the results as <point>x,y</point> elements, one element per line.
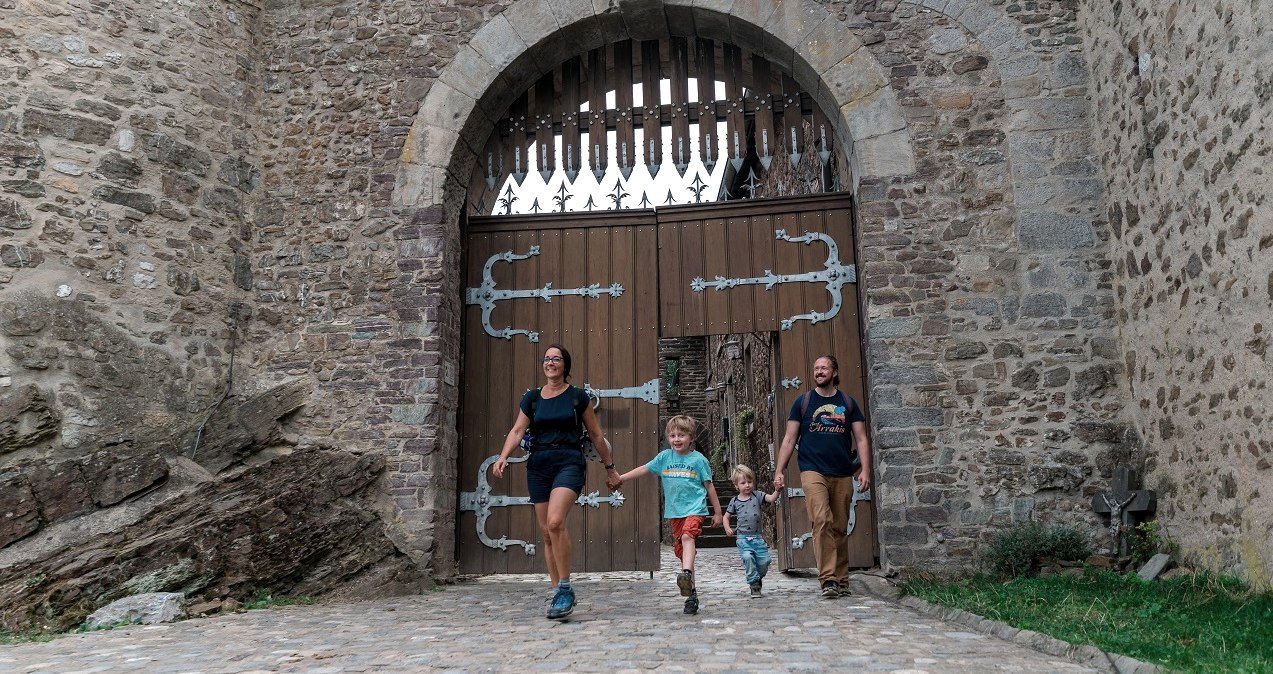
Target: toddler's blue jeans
<point>755,556</point>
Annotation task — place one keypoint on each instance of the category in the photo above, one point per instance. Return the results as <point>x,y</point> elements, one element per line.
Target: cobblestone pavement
<point>624,622</point>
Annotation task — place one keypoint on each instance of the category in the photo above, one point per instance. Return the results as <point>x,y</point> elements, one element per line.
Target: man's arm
<point>784,453</point>
<point>864,454</point>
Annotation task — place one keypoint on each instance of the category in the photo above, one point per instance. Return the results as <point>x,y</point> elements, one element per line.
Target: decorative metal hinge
<point>486,295</point>
<point>649,392</point>
<point>793,382</point>
<point>481,502</point>
<point>834,275</point>
<point>798,492</point>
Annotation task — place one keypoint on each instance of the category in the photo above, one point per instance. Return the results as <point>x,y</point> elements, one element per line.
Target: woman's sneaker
<point>563,603</point>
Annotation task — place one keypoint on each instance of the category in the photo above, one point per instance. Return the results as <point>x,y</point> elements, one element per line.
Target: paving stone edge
<point>1083,654</point>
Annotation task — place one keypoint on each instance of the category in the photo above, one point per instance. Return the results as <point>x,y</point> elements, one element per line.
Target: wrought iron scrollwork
<point>481,501</point>
<point>834,275</point>
<point>486,295</point>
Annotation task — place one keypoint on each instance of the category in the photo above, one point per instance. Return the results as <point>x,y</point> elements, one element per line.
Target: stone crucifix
<point>1123,503</point>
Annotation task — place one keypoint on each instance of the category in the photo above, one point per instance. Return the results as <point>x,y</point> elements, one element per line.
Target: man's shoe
<point>830,590</point>
<point>755,590</point>
<point>691,605</point>
<point>563,603</point>
<point>685,581</point>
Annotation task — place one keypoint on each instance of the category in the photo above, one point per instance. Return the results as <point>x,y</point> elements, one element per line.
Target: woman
<point>553,419</point>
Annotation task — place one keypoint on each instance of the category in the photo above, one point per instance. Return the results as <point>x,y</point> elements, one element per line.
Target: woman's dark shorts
<point>548,469</point>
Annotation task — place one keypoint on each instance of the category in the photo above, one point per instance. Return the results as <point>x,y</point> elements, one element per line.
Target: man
<point>829,426</point>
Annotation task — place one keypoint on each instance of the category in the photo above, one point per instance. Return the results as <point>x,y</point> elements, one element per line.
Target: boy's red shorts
<point>691,526</point>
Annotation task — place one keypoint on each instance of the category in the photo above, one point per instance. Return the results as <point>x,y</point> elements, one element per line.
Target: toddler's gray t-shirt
<point>747,513</point>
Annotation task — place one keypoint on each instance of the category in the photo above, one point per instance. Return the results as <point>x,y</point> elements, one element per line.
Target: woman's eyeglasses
<point>553,359</point>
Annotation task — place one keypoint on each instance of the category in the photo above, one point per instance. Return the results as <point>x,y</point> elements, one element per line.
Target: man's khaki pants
<point>827,500</point>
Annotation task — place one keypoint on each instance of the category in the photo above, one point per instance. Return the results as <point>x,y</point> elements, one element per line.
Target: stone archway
<point>826,56</point>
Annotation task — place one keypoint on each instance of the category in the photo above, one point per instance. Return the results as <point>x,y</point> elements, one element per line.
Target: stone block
<point>885,156</point>
<point>876,114</point>
<point>947,41</point>
<point>644,19</point>
<point>469,73</point>
<point>1040,230</point>
<point>19,517</point>
<point>827,45</point>
<point>13,215</point>
<point>909,417</point>
<point>70,127</point>
<point>1047,114</point>
<point>498,42</point>
<point>20,257</point>
<point>115,478</point>
<point>18,152</point>
<point>976,16</point>
<point>854,77</point>
<point>711,18</point>
<point>904,374</point>
<point>534,23</point>
<point>885,328</point>
<point>789,26</point>
<point>139,609</point>
<point>1155,566</point>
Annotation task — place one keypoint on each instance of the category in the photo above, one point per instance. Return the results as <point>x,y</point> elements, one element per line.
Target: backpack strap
<point>804,405</point>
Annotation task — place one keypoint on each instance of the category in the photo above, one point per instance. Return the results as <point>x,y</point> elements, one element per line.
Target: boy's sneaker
<point>830,590</point>
<point>691,604</point>
<point>755,590</point>
<point>563,603</point>
<point>685,581</point>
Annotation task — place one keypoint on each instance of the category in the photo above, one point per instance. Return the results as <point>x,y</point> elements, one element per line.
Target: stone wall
<point>249,170</point>
<point>1184,95</point>
<point>127,140</point>
<point>993,365</point>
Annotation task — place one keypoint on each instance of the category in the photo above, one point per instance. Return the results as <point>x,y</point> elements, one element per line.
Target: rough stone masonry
<point>1061,243</point>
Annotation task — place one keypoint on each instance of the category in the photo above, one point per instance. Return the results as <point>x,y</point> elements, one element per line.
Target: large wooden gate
<point>607,286</point>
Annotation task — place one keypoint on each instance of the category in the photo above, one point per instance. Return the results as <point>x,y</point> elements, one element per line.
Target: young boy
<point>686,476</point>
<point>751,545</point>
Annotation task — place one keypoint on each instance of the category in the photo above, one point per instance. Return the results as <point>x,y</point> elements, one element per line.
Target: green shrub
<point>1147,540</point>
<point>1017,551</point>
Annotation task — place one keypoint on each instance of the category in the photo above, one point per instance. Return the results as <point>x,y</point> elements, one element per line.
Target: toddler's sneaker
<point>685,581</point>
<point>755,590</point>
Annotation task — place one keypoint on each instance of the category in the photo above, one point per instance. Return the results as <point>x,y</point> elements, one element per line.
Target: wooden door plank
<point>705,76</point>
<point>694,305</point>
<point>671,272</point>
<point>716,263</point>
<point>571,100</point>
<point>741,264</point>
<point>643,535</point>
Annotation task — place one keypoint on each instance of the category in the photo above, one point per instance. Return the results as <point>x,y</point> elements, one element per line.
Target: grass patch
<point>8,638</point>
<point>1187,624</point>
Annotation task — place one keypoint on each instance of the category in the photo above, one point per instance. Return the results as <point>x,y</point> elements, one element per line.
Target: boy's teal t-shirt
<point>683,476</point>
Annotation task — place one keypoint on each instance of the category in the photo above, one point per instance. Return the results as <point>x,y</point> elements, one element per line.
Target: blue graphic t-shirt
<point>826,433</point>
<point>682,476</point>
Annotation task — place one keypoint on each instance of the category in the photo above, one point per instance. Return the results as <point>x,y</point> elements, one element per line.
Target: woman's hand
<point>499,467</point>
